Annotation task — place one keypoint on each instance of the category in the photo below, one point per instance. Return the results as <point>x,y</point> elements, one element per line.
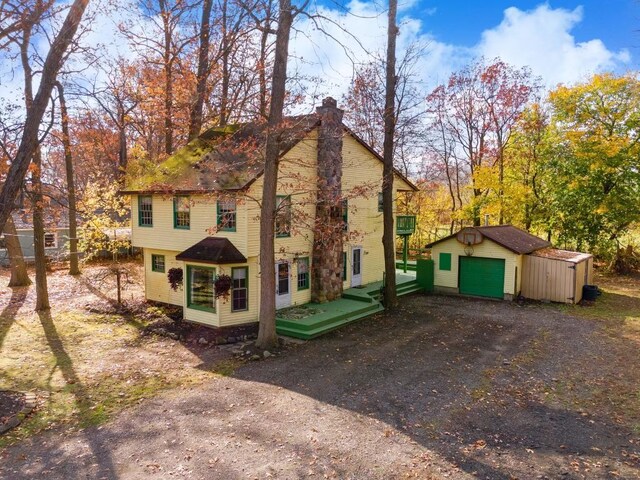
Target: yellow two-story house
<point>200,213</point>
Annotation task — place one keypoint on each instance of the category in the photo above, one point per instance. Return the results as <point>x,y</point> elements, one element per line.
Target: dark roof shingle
<point>507,236</point>
<point>215,250</point>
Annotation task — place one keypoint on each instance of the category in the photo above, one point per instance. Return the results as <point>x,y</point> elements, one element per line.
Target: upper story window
<point>380,203</point>
<point>283,216</point>
<point>50,240</point>
<point>145,211</point>
<point>3,242</point>
<point>227,215</point>
<point>181,212</point>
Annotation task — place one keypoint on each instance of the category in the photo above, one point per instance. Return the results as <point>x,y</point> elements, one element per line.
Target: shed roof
<point>215,250</point>
<point>565,255</point>
<point>507,236</point>
<point>228,158</point>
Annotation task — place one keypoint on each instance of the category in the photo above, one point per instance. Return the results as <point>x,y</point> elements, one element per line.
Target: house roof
<point>228,158</point>
<point>507,236</point>
<point>216,250</point>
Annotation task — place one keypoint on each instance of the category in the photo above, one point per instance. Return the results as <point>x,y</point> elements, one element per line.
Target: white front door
<point>356,266</point>
<point>283,285</point>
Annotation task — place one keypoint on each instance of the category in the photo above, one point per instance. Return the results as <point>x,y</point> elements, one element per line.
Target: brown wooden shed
<point>554,275</point>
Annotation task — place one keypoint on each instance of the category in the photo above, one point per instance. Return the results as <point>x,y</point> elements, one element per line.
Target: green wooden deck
<point>356,303</point>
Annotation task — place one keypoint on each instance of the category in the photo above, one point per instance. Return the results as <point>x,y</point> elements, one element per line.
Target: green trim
<point>279,200</point>
<point>154,258</point>
<point>189,300</point>
<point>308,273</point>
<point>344,266</point>
<point>246,279</point>
<point>175,213</point>
<point>444,262</point>
<point>140,223</point>
<point>221,226</point>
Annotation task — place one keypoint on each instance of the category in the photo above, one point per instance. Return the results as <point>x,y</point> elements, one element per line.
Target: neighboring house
<point>200,213</point>
<point>55,238</point>
<point>504,262</point>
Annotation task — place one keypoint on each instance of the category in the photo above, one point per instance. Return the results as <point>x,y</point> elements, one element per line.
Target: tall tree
<point>37,200</point>
<point>474,113</point>
<point>388,236</point>
<point>74,268</point>
<point>267,329</point>
<point>195,117</point>
<point>30,138</point>
<point>596,178</point>
<point>19,275</point>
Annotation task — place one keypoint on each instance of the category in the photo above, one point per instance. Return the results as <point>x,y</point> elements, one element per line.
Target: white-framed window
<point>50,240</point>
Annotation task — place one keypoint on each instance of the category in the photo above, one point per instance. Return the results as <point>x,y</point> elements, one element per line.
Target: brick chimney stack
<point>327,261</point>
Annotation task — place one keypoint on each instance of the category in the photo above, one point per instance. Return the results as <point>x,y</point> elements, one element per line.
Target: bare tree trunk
<point>168,78</point>
<point>267,330</point>
<point>19,275</point>
<point>74,269</point>
<point>388,237</point>
<point>42,292</point>
<point>123,159</point>
<point>195,117</point>
<point>226,50</point>
<point>29,140</point>
<point>262,74</point>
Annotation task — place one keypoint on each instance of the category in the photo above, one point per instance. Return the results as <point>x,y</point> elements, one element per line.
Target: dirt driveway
<point>445,387</point>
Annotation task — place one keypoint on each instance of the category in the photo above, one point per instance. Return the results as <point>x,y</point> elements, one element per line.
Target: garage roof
<point>507,236</point>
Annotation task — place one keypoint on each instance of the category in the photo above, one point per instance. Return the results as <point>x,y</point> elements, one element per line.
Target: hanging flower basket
<point>222,286</point>
<point>175,277</point>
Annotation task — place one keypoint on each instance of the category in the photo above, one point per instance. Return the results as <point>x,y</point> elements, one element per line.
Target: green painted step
<point>315,332</point>
<point>329,314</point>
<point>361,295</point>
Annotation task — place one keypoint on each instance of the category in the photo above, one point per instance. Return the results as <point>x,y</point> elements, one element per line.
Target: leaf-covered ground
<point>444,387</point>
<point>88,359</point>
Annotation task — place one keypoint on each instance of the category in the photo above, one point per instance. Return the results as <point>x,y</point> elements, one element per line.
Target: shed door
<point>482,277</point>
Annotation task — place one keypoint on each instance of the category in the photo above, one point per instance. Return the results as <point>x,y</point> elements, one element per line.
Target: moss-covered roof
<point>227,158</point>
<point>221,158</point>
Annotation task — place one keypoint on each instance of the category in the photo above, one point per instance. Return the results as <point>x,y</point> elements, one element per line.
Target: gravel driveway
<point>445,387</point>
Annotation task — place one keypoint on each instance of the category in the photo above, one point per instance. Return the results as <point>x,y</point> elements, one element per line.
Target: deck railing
<point>405,224</point>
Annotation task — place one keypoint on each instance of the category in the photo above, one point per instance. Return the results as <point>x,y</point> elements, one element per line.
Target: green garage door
<point>483,277</point>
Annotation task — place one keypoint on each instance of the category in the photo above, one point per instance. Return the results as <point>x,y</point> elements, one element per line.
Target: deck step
<point>327,319</point>
<point>320,330</point>
<point>361,296</point>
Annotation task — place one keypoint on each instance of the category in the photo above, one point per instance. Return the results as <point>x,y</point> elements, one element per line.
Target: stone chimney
<point>327,261</point>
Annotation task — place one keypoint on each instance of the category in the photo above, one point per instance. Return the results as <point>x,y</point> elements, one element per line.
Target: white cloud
<point>542,39</point>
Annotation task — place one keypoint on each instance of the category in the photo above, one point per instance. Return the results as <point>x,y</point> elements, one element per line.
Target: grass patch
<point>618,306</point>
<point>86,367</point>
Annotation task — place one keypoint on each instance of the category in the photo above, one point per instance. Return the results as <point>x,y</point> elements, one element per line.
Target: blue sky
<point>615,22</point>
<point>562,41</point>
